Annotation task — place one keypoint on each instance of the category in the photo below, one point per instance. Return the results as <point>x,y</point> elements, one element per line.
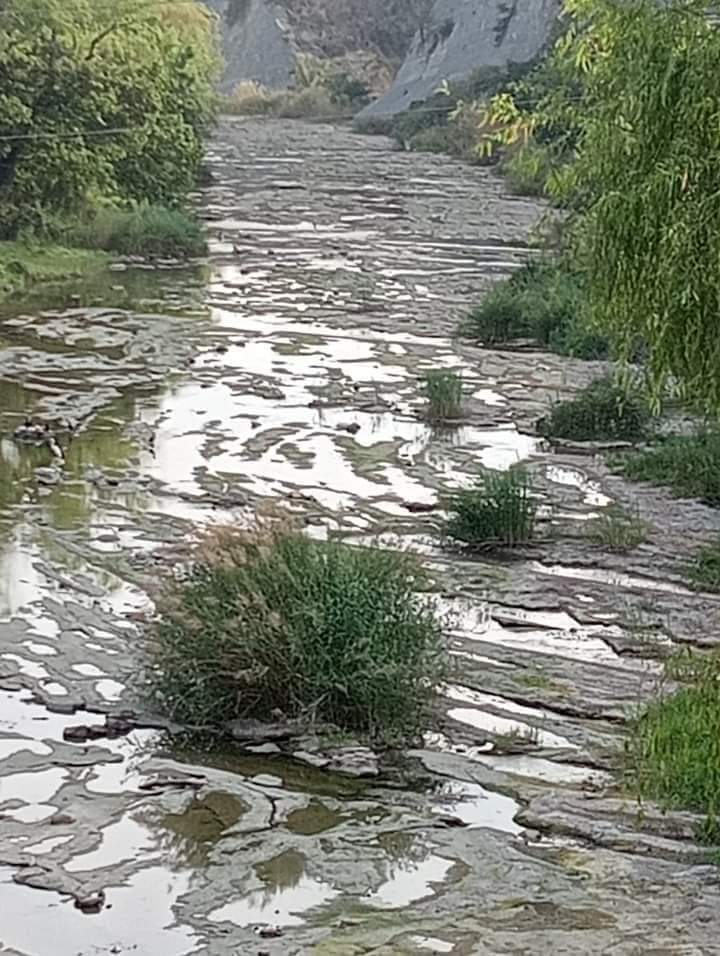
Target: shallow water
<point>290,371</point>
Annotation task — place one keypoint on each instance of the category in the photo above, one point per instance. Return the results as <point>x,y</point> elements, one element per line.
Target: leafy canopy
<point>75,72</point>
<point>641,108</point>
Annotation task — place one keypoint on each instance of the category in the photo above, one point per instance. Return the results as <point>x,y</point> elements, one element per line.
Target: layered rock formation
<point>463,35</point>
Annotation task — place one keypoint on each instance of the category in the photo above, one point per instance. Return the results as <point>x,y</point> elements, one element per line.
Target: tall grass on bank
<point>542,301</point>
<point>443,392</point>
<point>618,530</point>
<point>688,464</point>
<point>674,749</point>
<point>496,512</point>
<point>25,264</point>
<point>144,230</point>
<point>602,411</point>
<point>704,572</point>
<point>271,619</point>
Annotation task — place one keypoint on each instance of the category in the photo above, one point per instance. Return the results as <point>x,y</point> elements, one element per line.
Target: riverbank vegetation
<point>543,301</point>
<point>323,90</point>
<point>688,464</point>
<point>269,619</point>
<point>606,411</point>
<point>104,115</point>
<point>24,265</point>
<point>674,748</point>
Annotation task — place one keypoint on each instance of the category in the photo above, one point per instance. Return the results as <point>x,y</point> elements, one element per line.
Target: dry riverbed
<point>287,369</point>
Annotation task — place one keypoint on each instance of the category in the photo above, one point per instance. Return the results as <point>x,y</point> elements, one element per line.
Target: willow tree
<point>649,171</point>
<point>100,101</point>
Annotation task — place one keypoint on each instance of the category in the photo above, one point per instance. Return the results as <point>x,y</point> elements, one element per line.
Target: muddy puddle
<point>287,368</point>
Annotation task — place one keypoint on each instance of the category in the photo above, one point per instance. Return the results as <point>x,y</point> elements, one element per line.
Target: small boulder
<point>354,762</point>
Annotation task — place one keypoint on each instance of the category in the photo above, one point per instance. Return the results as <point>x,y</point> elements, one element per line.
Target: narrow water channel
<point>286,368</point>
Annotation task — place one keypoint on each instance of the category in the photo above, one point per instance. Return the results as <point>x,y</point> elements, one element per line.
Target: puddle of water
<point>432,943</point>
<point>612,578</point>
<point>34,790</point>
<point>46,846</point>
<point>312,819</point>
<point>202,824</point>
<point>139,918</point>
<point>288,895</point>
<point>478,807</point>
<point>127,840</point>
<point>592,495</point>
<point>485,720</point>
<point>411,882</point>
<point>537,768</point>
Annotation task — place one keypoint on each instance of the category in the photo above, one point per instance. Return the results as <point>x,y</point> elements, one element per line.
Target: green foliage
<point>674,751</point>
<point>603,411</point>
<point>648,171</point>
<point>443,391</point>
<point>618,530</point>
<point>101,101</point>
<point>271,619</point>
<point>452,119</point>
<point>541,301</point>
<point>144,230</point>
<point>705,569</point>
<point>23,265</point>
<point>689,464</point>
<point>497,511</point>
<point>640,103</point>
<point>528,169</point>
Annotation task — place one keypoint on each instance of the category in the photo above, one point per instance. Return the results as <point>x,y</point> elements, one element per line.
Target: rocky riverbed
<point>287,369</point>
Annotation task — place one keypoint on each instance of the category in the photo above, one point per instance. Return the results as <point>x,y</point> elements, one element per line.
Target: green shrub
<point>269,619</point>
<point>705,569</point>
<point>689,464</point>
<point>528,169</point>
<point>603,411</point>
<point>25,264</point>
<point>619,531</point>
<point>541,301</point>
<point>443,391</point>
<point>497,511</point>
<point>249,99</point>
<point>675,745</point>
<point>144,230</point>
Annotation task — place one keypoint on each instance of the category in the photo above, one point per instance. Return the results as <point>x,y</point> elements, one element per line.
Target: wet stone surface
<point>286,369</point>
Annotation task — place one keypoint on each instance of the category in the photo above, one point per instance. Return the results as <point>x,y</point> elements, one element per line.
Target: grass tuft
<point>144,230</point>
<point>674,748</point>
<point>269,619</point>
<point>704,572</point>
<point>688,464</point>
<point>619,531</point>
<point>528,169</point>
<point>497,511</point>
<point>26,264</point>
<point>541,301</point>
<point>443,391</point>
<point>603,411</point>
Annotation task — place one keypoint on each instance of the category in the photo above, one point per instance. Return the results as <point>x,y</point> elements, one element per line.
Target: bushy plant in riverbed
<point>541,301</point>
<point>270,619</point>
<point>689,464</point>
<point>144,230</point>
<point>619,530</point>
<point>674,748</point>
<point>443,391</point>
<point>497,511</point>
<point>603,411</point>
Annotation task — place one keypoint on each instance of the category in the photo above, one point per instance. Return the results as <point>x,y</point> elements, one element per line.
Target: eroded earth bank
<point>338,271</point>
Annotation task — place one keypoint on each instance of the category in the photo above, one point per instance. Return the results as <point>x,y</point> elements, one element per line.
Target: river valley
<point>287,368</point>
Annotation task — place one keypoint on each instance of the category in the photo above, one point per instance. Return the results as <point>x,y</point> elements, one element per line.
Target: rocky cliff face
<point>257,42</point>
<point>261,38</point>
<point>462,35</point>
